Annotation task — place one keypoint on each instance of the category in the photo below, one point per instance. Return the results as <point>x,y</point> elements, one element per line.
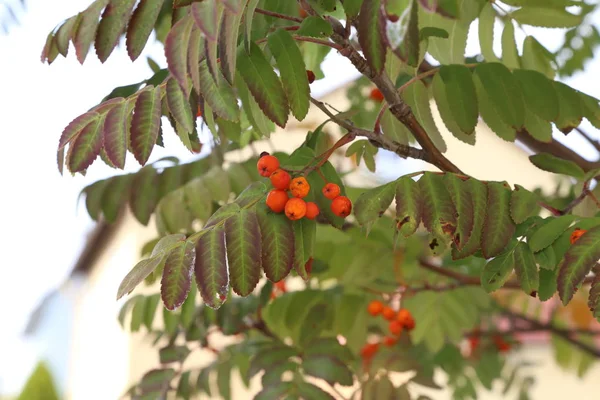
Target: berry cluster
<point>399,321</point>
<point>278,199</point>
<point>577,233</point>
<point>499,342</point>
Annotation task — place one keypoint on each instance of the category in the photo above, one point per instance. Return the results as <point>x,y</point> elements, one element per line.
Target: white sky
<point>42,231</point>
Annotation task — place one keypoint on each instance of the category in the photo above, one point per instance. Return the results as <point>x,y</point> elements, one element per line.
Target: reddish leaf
<point>115,134</point>
<point>463,202</point>
<point>579,260</point>
<point>594,297</point>
<point>145,123</point>
<point>408,210</point>
<point>195,53</point>
<point>221,98</point>
<point>74,127</point>
<point>64,34</point>
<point>85,147</point>
<point>86,29</point>
<point>277,243</point>
<point>478,195</point>
<point>498,227</point>
<point>243,251</point>
<point>141,26</point>
<point>176,48</point>
<point>436,204</point>
<point>370,34</point>
<point>211,267</point>
<point>177,276</point>
<point>113,23</point>
<point>228,37</point>
<point>179,106</point>
<point>207,15</point>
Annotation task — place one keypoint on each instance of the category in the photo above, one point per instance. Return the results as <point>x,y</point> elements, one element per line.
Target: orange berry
<point>369,350</point>
<point>302,12</point>
<point>310,75</point>
<point>295,209</point>
<point>474,342</point>
<point>341,206</point>
<point>277,199</point>
<point>299,187</point>
<point>406,319</point>
<point>395,328</point>
<point>375,307</point>
<point>312,210</point>
<point>388,313</point>
<point>331,191</point>
<point>376,95</point>
<point>280,179</point>
<point>267,164</point>
<point>390,341</point>
<point>281,286</point>
<point>577,233</point>
<point>199,112</point>
<point>502,345</point>
<point>393,17</point>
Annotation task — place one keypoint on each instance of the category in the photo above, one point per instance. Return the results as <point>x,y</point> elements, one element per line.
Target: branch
<point>587,137</point>
<point>277,15</point>
<point>376,139</point>
<point>398,107</point>
<point>564,333</point>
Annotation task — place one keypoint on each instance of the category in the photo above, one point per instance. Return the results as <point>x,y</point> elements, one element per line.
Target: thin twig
<point>278,15</point>
<point>587,137</point>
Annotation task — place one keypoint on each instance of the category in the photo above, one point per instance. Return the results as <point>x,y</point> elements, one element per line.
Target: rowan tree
<point>433,270</point>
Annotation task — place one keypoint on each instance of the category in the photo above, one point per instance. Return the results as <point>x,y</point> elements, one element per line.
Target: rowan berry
<point>369,350</point>
<point>295,209</point>
<point>312,210</point>
<point>331,191</point>
<point>388,313</point>
<point>406,319</point>
<point>267,164</point>
<point>281,286</point>
<point>393,17</point>
<point>280,179</point>
<point>277,199</point>
<point>395,328</point>
<point>341,206</point>
<point>376,95</point>
<point>502,345</point>
<point>310,75</point>
<point>299,187</point>
<point>390,341</point>
<point>577,233</point>
<point>474,342</point>
<point>199,112</point>
<point>375,307</point>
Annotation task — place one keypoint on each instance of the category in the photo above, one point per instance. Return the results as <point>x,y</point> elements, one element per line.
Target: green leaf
<point>510,55</point>
<point>277,243</point>
<point>221,98</point>
<point>145,123</point>
<point>150,310</point>
<point>211,267</point>
<point>370,34</point>
<point>114,134</point>
<point>309,391</point>
<point>180,106</point>
<point>486,33</point>
<point>216,181</point>
<point>536,57</point>
<point>394,129</point>
<point>461,197</point>
<point>224,380</point>
<point>371,205</point>
<point>408,210</point>
<point>546,17</point>
<point>305,232</point>
<point>503,92</point>
<point>243,251</point>
<point>550,163</point>
<point>546,258</point>
<point>526,268</point>
<point>523,204</point>
<point>137,314</point>
<point>138,274</point>
<point>248,20</point>
<point>490,115</point>
<point>264,84</point>
<point>461,96</point>
<point>498,227</point>
<point>578,262</point>
<point>314,26</point>
<point>538,128</point>
<point>141,26</point>
<point>188,308</point>
<point>114,195</point>
<point>352,7</point>
<point>330,369</point>
<point>549,232</point>
<point>256,117</point>
<point>591,109</point>
<point>224,212</point>
<point>144,194</point>
<point>85,147</point>
<point>497,271</point>
<point>275,391</point>
<point>292,71</point>
<point>207,15</point>
<point>539,93</point>
<point>437,207</point>
<point>156,380</point>
<point>570,110</point>
<point>177,276</point>
<point>547,284</point>
<point>327,346</point>
<point>64,33</point>
<point>86,29</point>
<point>443,105</point>
<point>173,353</point>
<point>113,23</point>
<point>269,357</point>
<point>417,97</point>
<point>451,50</point>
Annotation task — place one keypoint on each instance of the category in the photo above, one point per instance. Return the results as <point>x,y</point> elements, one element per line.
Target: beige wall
<point>107,360</point>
